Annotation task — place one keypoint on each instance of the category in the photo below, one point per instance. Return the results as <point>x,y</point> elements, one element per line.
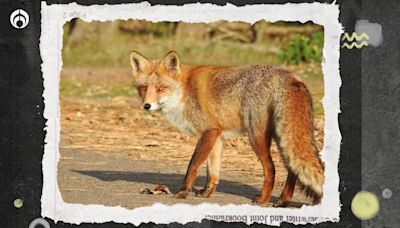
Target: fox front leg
<point>213,169</point>
<point>203,148</point>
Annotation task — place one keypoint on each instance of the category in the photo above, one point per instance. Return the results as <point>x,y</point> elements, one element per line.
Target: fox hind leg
<point>261,142</point>
<point>213,169</point>
<point>288,189</point>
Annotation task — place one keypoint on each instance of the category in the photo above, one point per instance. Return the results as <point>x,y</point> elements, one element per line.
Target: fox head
<point>157,81</point>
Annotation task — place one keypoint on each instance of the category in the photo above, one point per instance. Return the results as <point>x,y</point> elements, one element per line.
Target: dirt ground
<point>110,149</point>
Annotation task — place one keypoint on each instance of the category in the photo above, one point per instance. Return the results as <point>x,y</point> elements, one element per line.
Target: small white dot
<point>387,193</point>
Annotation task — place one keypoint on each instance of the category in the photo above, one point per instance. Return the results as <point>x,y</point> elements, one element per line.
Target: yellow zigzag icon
<point>354,44</point>
<point>354,36</point>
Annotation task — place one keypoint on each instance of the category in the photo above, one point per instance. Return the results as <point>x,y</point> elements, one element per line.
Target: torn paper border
<point>53,19</point>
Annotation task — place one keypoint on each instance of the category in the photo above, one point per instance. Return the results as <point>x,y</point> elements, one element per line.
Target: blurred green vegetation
<point>303,49</point>
<point>107,44</point>
<point>100,45</point>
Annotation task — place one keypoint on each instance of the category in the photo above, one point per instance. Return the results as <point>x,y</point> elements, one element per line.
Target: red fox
<point>266,102</point>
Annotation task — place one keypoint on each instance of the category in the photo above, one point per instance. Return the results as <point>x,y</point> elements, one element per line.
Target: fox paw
<point>281,203</point>
<point>182,194</point>
<point>259,200</point>
<point>205,192</point>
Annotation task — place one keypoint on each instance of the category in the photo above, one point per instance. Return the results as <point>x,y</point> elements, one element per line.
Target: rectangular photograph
<point>241,102</point>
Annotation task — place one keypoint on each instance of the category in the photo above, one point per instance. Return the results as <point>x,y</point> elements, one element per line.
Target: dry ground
<point>110,149</point>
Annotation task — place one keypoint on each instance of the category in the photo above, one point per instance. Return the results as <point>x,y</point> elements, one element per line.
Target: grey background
<point>369,121</point>
<point>380,67</point>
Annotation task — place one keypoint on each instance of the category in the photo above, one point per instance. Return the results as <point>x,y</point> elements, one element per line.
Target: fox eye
<point>161,88</point>
<point>143,89</point>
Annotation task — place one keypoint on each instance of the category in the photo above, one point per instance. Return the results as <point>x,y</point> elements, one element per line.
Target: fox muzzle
<point>151,106</point>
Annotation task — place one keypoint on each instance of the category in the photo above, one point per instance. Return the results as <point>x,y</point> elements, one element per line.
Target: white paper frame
<point>53,19</point>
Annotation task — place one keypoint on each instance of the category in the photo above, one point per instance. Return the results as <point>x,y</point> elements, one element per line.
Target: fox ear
<point>138,62</point>
<point>171,63</point>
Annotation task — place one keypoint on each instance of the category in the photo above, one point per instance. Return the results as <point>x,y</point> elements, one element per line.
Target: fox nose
<point>147,106</point>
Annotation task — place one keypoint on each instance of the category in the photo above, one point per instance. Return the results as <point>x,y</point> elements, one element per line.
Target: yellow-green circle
<point>18,203</point>
<point>365,205</point>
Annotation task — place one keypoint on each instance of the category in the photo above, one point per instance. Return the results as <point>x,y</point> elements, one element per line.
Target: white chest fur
<point>174,114</point>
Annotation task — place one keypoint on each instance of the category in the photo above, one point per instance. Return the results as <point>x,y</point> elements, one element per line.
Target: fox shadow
<point>174,181</point>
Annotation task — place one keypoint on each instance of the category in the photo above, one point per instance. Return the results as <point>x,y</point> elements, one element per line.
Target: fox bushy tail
<point>295,137</point>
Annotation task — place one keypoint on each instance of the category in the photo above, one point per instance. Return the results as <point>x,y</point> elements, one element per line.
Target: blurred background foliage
<point>99,47</point>
<point>107,44</point>
<point>302,49</point>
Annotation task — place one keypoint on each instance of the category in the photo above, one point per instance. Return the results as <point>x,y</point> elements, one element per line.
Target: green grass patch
<point>71,88</point>
<point>114,51</point>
